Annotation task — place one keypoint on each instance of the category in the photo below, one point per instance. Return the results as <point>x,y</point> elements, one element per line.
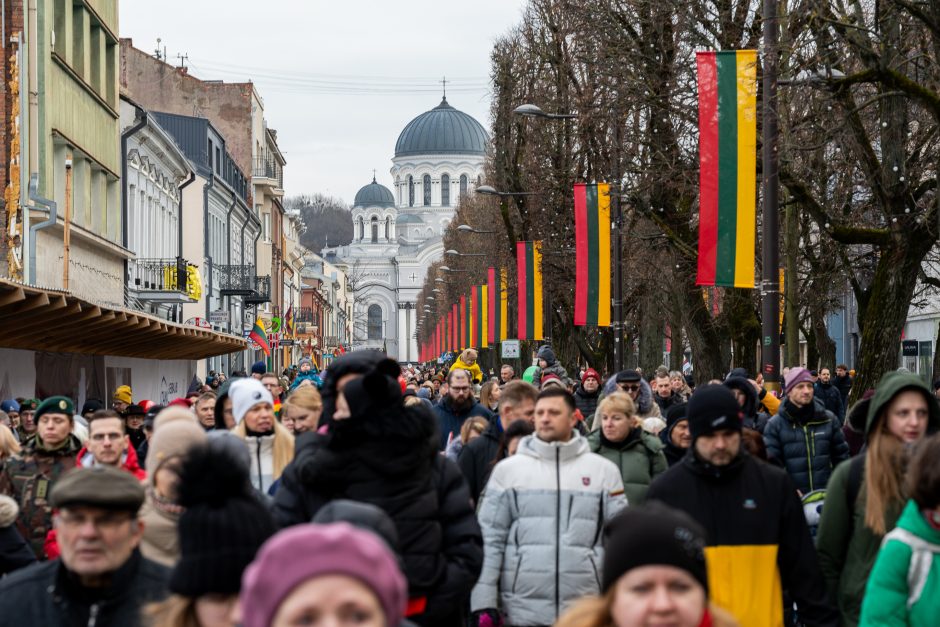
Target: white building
<point>396,237</point>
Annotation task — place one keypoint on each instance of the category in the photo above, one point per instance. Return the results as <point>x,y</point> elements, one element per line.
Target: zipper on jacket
<point>93,615</point>
<point>809,457</point>
<point>557,529</point>
<point>260,472</point>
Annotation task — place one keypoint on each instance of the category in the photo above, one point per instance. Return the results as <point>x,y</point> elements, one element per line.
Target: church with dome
<point>397,232</point>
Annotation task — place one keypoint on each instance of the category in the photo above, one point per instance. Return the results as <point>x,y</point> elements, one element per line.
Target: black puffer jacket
<point>477,458</point>
<point>390,460</point>
<point>585,401</point>
<point>47,594</point>
<point>830,396</point>
<point>753,418</point>
<point>808,442</point>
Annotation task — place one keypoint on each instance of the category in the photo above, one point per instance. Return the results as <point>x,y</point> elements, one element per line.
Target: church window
<point>375,322</point>
<point>426,187</point>
<point>388,227</point>
<point>362,232</point>
<point>445,190</point>
<point>463,186</point>
<point>398,189</point>
<point>411,191</point>
<point>375,229</point>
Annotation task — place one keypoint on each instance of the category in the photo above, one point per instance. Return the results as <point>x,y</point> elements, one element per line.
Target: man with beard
<point>378,450</point>
<point>759,544</point>
<point>458,405</point>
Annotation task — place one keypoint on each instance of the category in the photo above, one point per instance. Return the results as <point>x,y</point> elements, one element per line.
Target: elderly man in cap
<point>100,578</point>
<point>45,457</point>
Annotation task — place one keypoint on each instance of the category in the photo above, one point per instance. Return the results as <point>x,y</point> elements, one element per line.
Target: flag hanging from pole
<point>483,317</point>
<point>454,325</point>
<point>463,324</point>
<point>727,101</point>
<point>258,336</point>
<point>529,268</point>
<point>592,254</point>
<point>474,317</point>
<point>289,320</point>
<point>466,314</point>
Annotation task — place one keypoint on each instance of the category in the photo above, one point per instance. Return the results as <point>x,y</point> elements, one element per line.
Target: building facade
<point>396,236</point>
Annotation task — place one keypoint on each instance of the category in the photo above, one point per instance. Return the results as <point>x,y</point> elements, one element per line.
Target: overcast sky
<point>339,79</point>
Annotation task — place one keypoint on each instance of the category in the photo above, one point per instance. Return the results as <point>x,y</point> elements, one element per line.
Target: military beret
<point>100,486</point>
<point>55,405</point>
<point>30,404</point>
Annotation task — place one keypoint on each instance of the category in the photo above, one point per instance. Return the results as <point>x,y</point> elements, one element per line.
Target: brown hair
<point>103,414</point>
<point>174,611</point>
<point>486,393</point>
<point>517,392</point>
<point>474,423</point>
<point>205,396</point>
<point>591,611</point>
<point>619,402</point>
<point>923,477</point>
<point>885,465</point>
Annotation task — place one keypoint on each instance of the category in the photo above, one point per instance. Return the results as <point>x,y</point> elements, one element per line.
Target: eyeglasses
<point>628,388</point>
<point>460,389</point>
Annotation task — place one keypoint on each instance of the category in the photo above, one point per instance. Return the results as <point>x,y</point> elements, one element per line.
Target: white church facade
<point>398,235</point>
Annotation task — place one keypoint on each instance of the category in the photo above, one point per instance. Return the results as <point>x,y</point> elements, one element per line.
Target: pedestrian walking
<point>45,456</point>
<point>843,382</point>
<point>829,394</point>
<point>663,393</point>
<point>622,440</point>
<point>27,426</point>
<point>101,579</point>
<point>489,395</point>
<point>676,434</point>
<point>865,496</point>
<point>331,572</point>
<point>588,393</point>
<point>540,514</point>
<point>304,406</point>
<point>745,391</point>
<point>457,405</point>
<point>204,408</point>
<point>805,438</point>
<point>904,585</point>
<point>108,445</point>
<point>346,368</point>
<point>758,541</point>
<point>134,416</point>
<point>270,443</point>
<point>654,573</point>
<point>122,397</point>
<point>471,429</point>
<point>631,382</point>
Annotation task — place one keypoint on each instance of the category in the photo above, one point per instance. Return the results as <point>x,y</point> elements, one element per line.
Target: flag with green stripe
<point>592,254</point>
<point>727,102</point>
<point>497,305</point>
<point>529,269</point>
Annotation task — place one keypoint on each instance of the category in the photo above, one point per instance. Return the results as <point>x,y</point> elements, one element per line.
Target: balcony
<point>171,280</point>
<point>240,280</point>
<point>266,171</point>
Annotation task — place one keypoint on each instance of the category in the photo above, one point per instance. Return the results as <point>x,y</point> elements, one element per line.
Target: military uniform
<point>29,480</point>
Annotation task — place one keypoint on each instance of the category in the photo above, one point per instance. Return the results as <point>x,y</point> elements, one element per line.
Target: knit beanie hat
<point>298,554</point>
<point>245,394</point>
<point>590,373</point>
<point>171,439</point>
<point>653,534</point>
<point>10,405</point>
<point>551,379</point>
<point>795,376</point>
<point>224,523</point>
<point>545,352</point>
<point>674,415</point>
<point>305,360</point>
<point>259,367</point>
<point>713,408</point>
<point>91,405</point>
<point>123,394</point>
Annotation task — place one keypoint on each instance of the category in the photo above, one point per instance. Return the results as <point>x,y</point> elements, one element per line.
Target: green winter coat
<point>640,458</point>
<point>888,594</point>
<point>847,547</point>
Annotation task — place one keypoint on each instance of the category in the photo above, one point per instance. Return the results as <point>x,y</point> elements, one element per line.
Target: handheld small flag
<point>727,103</point>
<point>258,336</point>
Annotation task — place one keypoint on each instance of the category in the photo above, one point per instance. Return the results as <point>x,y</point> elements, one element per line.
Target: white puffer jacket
<point>261,451</point>
<point>542,515</point>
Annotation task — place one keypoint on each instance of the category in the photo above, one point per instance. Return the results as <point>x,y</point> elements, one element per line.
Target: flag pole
<point>770,279</point>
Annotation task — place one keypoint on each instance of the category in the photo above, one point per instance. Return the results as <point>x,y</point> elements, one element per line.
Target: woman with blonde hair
<point>653,573</point>
<point>303,406</point>
<point>471,428</point>
<point>489,395</point>
<point>622,439</point>
<point>865,495</point>
<point>270,443</point>
<point>9,447</point>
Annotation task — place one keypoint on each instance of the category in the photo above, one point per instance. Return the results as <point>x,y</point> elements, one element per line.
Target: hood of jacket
<point>532,446</point>
<point>890,386</point>
<point>750,394</point>
<point>644,401</point>
<point>354,362</point>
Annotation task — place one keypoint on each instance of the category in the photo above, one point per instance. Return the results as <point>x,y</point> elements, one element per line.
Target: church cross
<point>413,277</point>
<point>444,83</point>
<point>373,175</point>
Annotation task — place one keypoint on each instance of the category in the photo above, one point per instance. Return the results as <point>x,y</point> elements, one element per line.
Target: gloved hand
<point>486,618</point>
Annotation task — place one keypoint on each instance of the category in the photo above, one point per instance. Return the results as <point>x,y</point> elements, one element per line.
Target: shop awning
<point>44,319</point>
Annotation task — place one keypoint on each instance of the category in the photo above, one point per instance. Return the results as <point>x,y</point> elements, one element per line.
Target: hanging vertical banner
<point>592,254</point>
<point>497,306</point>
<point>467,333</point>
<point>463,323</point>
<point>492,305</point>
<point>529,268</point>
<point>502,324</point>
<point>727,103</point>
<point>474,317</point>
<point>454,326</point>
<point>484,314</point>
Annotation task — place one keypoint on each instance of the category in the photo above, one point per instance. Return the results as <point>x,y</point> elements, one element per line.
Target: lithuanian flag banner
<point>592,254</point>
<point>727,112</point>
<point>462,340</point>
<point>468,308</point>
<point>474,317</point>
<point>497,306</point>
<point>483,328</point>
<point>258,336</point>
<point>454,323</point>
<point>529,268</point>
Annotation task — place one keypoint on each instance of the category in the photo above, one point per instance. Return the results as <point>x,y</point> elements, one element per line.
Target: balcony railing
<point>241,280</point>
<point>303,314</point>
<point>269,168</point>
<point>164,280</point>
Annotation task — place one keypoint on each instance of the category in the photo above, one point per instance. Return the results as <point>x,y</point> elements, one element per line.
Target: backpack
<point>856,476</point>
<point>922,555</point>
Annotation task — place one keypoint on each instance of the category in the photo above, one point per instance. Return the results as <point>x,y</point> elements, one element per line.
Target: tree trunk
<point>791,284</point>
<point>651,333</point>
<point>825,346</point>
<point>703,336</point>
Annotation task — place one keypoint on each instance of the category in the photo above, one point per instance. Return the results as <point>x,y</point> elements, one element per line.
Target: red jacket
<point>130,463</point>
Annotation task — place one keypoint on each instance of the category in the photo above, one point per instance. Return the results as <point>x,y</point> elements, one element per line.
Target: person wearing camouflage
<point>45,456</point>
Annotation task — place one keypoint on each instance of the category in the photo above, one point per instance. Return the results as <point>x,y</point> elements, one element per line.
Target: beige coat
<point>160,542</point>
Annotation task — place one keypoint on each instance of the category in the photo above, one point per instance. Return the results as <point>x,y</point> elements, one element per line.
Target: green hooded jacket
<point>888,594</point>
<point>847,547</point>
<point>640,460</point>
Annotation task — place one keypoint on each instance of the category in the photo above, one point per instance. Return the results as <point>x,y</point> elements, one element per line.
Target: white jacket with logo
<point>542,515</point>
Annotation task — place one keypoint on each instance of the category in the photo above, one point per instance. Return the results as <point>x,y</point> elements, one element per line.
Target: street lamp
<point>466,228</point>
<point>446,269</point>
<point>488,190</point>
<point>534,111</point>
<point>460,254</point>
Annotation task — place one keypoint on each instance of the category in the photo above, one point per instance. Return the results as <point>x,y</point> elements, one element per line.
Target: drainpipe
<point>207,254</point>
<point>228,253</point>
<point>140,115</point>
<point>35,228</point>
<point>179,225</point>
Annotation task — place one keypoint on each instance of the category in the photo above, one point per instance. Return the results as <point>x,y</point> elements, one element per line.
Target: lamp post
<point>460,254</point>
<point>466,228</point>
<point>488,190</point>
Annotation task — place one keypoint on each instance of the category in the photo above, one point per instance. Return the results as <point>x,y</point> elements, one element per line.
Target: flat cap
<point>55,405</point>
<point>101,486</point>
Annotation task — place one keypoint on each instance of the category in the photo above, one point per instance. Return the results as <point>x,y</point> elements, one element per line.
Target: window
<point>375,322</point>
<point>375,229</point>
<point>362,227</point>
<point>266,227</point>
<point>463,186</point>
<point>388,228</point>
<point>445,190</point>
<point>411,191</point>
<point>210,154</point>
<point>218,160</point>
<point>426,187</point>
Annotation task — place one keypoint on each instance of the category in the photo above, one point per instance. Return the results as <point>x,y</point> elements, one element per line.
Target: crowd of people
<point>378,495</point>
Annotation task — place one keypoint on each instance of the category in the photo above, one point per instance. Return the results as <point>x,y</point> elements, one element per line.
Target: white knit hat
<point>245,394</point>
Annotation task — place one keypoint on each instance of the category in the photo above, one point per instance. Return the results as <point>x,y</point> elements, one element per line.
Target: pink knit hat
<point>796,375</point>
<point>304,552</point>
